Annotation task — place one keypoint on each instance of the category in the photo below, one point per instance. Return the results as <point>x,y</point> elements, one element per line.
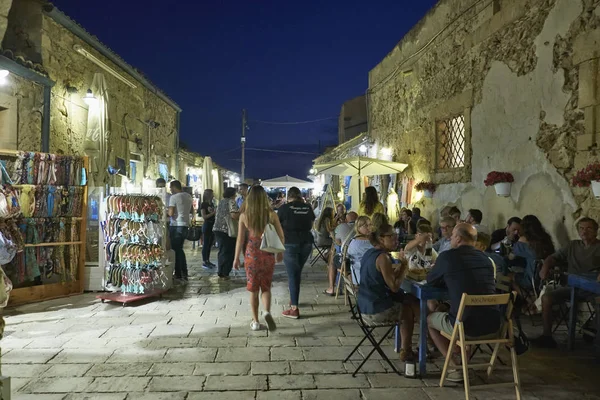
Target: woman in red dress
<point>259,264</point>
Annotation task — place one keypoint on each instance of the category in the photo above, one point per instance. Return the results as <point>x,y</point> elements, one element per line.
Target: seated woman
<point>377,220</point>
<point>358,246</point>
<point>340,214</point>
<point>325,227</point>
<point>380,299</point>
<point>534,244</point>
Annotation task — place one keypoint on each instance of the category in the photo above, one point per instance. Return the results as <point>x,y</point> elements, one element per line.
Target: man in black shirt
<point>463,269</point>
<point>296,219</point>
<point>511,231</point>
<point>207,212</point>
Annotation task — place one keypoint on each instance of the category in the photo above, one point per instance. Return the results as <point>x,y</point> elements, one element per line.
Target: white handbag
<point>232,227</point>
<point>270,240</point>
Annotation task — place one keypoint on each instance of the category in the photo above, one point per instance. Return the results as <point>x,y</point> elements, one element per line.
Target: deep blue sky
<point>281,60</point>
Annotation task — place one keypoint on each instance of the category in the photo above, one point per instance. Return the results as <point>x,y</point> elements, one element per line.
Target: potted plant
<point>590,175</point>
<point>501,182</point>
<point>428,188</point>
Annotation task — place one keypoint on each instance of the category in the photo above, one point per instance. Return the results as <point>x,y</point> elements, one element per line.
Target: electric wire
<point>292,123</point>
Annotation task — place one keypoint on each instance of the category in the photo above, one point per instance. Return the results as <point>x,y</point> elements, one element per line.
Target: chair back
<point>504,301</point>
<point>352,297</point>
<point>503,283</point>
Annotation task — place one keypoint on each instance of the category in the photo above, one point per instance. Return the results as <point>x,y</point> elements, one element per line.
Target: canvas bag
<point>270,240</point>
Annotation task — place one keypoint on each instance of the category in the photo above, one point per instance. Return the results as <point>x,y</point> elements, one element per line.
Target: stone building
<point>504,85</point>
<point>353,119</point>
<point>128,122</point>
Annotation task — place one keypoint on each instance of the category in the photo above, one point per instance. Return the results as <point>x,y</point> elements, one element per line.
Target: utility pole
<point>243,143</point>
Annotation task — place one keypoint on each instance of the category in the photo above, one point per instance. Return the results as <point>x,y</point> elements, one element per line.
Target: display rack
<point>134,232</point>
<point>52,195</point>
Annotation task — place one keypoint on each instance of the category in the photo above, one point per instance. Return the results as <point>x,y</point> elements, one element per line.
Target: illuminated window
<point>451,142</point>
<point>163,171</point>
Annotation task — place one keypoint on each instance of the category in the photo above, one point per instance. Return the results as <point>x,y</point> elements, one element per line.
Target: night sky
<point>283,61</point>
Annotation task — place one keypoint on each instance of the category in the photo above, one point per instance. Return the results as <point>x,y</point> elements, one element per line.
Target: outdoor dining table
<point>423,292</point>
<point>589,283</point>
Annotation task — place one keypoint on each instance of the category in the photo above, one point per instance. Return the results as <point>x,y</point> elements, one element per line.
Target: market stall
<point>44,210</point>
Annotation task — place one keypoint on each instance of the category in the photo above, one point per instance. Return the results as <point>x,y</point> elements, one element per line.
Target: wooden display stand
<point>62,289</point>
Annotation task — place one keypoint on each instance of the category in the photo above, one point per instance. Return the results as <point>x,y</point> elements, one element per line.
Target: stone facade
<point>353,119</point>
<point>524,74</point>
<point>140,120</point>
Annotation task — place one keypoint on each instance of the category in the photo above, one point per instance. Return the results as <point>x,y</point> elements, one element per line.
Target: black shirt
<point>468,270</point>
<point>296,220</point>
<point>208,209</point>
<point>498,236</point>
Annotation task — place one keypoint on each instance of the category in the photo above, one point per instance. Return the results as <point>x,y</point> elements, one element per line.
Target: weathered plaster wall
<point>509,67</point>
<point>5,6</point>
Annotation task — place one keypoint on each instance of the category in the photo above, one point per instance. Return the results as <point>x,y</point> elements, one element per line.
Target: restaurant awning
<point>287,182</point>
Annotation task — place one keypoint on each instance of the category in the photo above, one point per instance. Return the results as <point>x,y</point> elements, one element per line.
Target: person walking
<point>296,219</point>
<point>180,208</point>
<point>208,212</point>
<point>260,265</point>
<point>227,213</point>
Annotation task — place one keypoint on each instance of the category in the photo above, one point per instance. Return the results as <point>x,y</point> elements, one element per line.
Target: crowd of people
<point>459,254</point>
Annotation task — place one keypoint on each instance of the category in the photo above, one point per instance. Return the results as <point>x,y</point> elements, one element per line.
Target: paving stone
<point>279,395</point>
<point>172,369</point>
<point>317,341</point>
<point>47,343</point>
<point>120,384</point>
<point>221,395</point>
<point>66,370</point>
<point>176,383</point>
<point>287,354</point>
<point>57,385</point>
<point>29,356</point>
<point>139,355</point>
<point>82,356</point>
<point>196,354</point>
<point>271,368</point>
<point>244,331</point>
<point>329,353</point>
<point>171,330</point>
<point>10,343</point>
<point>272,341</point>
<point>341,381</point>
<point>24,370</point>
<point>291,382</point>
<point>392,394</point>
<point>25,396</point>
<point>171,343</point>
<point>129,331</point>
<point>372,366</point>
<point>223,342</point>
<point>447,393</point>
<point>226,368</point>
<point>334,394</point>
<point>393,381</point>
<point>243,354</point>
<point>236,383</point>
<point>133,369</point>
<point>96,396</point>
<point>210,331</point>
<point>317,367</point>
<point>158,396</point>
<point>81,343</point>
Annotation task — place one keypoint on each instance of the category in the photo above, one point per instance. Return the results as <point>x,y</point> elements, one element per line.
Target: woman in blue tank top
<point>380,299</point>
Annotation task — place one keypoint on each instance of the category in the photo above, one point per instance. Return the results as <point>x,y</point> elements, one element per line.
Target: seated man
<point>511,231</point>
<point>343,230</point>
<point>447,224</point>
<point>463,269</point>
<point>580,256</point>
<point>474,217</point>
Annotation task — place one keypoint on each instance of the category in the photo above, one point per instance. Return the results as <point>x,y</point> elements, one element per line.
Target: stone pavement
<point>196,344</point>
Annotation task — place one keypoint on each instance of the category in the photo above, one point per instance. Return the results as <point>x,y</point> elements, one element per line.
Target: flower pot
<point>596,189</point>
<point>502,189</point>
<point>429,193</point>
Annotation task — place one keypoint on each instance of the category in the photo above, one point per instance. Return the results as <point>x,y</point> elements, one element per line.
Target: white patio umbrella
<point>360,167</point>
<point>207,175</point>
<point>287,182</point>
<point>97,131</point>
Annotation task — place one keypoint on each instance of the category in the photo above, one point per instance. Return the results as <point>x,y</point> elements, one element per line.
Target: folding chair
<point>505,338</point>
<point>342,271</point>
<point>367,329</point>
<point>321,251</point>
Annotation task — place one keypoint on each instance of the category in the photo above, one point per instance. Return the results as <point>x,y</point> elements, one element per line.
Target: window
<point>451,142</point>
<point>163,171</point>
<point>133,171</point>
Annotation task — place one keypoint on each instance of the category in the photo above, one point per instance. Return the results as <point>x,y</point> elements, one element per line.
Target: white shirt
<point>182,202</point>
<point>481,228</point>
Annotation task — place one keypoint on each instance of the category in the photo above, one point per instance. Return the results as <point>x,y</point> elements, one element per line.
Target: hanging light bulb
<point>362,148</point>
<point>89,98</point>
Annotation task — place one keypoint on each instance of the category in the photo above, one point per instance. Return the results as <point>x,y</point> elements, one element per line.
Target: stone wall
<point>4,10</point>
<point>353,119</point>
<point>518,71</point>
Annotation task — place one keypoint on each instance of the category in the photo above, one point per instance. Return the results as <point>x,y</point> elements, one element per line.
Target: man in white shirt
<point>343,230</point>
<point>180,208</point>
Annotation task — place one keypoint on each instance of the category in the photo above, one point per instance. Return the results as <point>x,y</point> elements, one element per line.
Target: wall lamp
<point>3,75</point>
<point>102,65</point>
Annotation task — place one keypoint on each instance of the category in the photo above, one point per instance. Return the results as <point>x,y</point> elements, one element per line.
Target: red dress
<point>259,266</point>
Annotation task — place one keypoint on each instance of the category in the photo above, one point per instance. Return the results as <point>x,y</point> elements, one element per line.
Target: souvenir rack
<point>134,231</point>
<point>48,178</point>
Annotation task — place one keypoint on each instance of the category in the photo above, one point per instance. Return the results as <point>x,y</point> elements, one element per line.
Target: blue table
<point>423,293</point>
<point>589,283</point>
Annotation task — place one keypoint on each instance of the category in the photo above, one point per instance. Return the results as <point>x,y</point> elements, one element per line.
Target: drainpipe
<point>177,122</point>
<point>46,121</point>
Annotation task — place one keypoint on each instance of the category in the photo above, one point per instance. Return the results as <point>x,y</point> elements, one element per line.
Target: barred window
<point>451,142</point>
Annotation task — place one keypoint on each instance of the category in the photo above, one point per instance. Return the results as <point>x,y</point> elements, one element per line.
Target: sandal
<point>325,292</point>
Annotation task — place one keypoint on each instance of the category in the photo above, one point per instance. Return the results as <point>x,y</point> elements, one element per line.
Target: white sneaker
<point>270,321</point>
<point>255,326</point>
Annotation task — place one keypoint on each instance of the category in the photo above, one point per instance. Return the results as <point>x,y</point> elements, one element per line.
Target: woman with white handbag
<point>265,239</point>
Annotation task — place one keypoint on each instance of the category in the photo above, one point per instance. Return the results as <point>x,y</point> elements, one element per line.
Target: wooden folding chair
<point>342,272</point>
<point>504,338</point>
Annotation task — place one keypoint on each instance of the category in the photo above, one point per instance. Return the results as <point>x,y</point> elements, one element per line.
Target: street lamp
<point>89,98</point>
<point>362,148</point>
<point>312,171</point>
